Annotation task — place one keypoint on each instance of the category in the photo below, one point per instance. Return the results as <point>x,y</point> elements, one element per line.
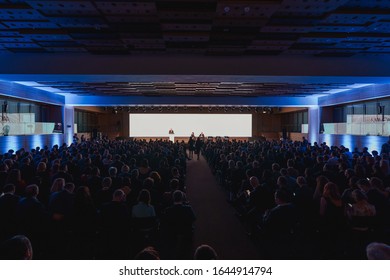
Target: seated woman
<point>332,222</point>
<point>358,211</point>
<point>143,209</point>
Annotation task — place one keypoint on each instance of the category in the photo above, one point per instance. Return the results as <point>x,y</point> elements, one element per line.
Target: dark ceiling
<point>207,27</point>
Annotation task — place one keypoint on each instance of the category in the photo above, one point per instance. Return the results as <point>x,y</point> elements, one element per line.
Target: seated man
<point>278,226</point>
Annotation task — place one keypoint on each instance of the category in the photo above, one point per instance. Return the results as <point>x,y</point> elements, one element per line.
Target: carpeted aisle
<point>216,224</point>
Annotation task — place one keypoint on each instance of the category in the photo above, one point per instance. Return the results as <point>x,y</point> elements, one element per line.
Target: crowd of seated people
<point>298,200</point>
<point>97,200</point>
<point>111,199</point>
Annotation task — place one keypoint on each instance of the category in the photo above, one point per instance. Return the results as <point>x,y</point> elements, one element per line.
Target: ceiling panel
<point>205,27</point>
<point>202,28</point>
<point>195,88</point>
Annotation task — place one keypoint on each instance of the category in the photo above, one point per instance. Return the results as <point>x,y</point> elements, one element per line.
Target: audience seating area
<point>113,198</point>
<point>299,201</point>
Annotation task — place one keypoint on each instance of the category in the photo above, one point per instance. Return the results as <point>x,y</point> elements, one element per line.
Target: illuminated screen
<point>158,125</point>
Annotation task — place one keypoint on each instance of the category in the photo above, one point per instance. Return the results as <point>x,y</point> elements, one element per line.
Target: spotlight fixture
<point>160,109</point>
<point>210,109</point>
<point>267,110</point>
<point>115,110</point>
<point>176,109</point>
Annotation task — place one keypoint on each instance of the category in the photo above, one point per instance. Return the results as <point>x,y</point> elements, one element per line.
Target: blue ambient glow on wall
<point>29,141</point>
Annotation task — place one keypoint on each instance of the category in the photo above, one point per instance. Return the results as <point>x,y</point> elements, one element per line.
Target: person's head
<point>275,167</point>
<point>9,188</point>
<point>205,252</point>
<point>378,251</point>
<point>112,171</point>
<point>331,190</point>
<point>175,172</point>
<point>106,183</point>
<point>254,182</point>
<point>349,172</point>
<point>174,184</point>
<point>358,195</point>
<point>282,197</point>
<point>32,190</point>
<point>149,253</point>
<point>178,197</point>
<point>57,185</point>
<point>155,176</point>
<point>82,193</point>
<point>69,187</point>
<point>119,196</point>
<point>144,196</point>
<point>148,183</point>
<point>41,167</point>
<point>281,182</point>
<point>284,172</point>
<point>17,248</point>
<point>301,181</point>
<point>125,169</point>
<point>134,173</point>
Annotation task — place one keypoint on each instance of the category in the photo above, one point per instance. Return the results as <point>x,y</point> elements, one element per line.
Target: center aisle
<point>216,223</point>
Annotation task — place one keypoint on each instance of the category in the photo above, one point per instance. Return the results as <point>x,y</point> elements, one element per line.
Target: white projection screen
<point>158,125</point>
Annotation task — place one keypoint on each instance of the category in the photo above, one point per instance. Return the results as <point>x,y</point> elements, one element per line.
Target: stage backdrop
<point>158,125</point>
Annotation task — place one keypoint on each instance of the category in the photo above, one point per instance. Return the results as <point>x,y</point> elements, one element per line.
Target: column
<point>314,124</point>
<point>68,124</point>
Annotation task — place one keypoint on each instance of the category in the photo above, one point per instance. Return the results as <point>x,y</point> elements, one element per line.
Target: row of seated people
<point>19,247</point>
<point>67,209</point>
<point>294,197</point>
